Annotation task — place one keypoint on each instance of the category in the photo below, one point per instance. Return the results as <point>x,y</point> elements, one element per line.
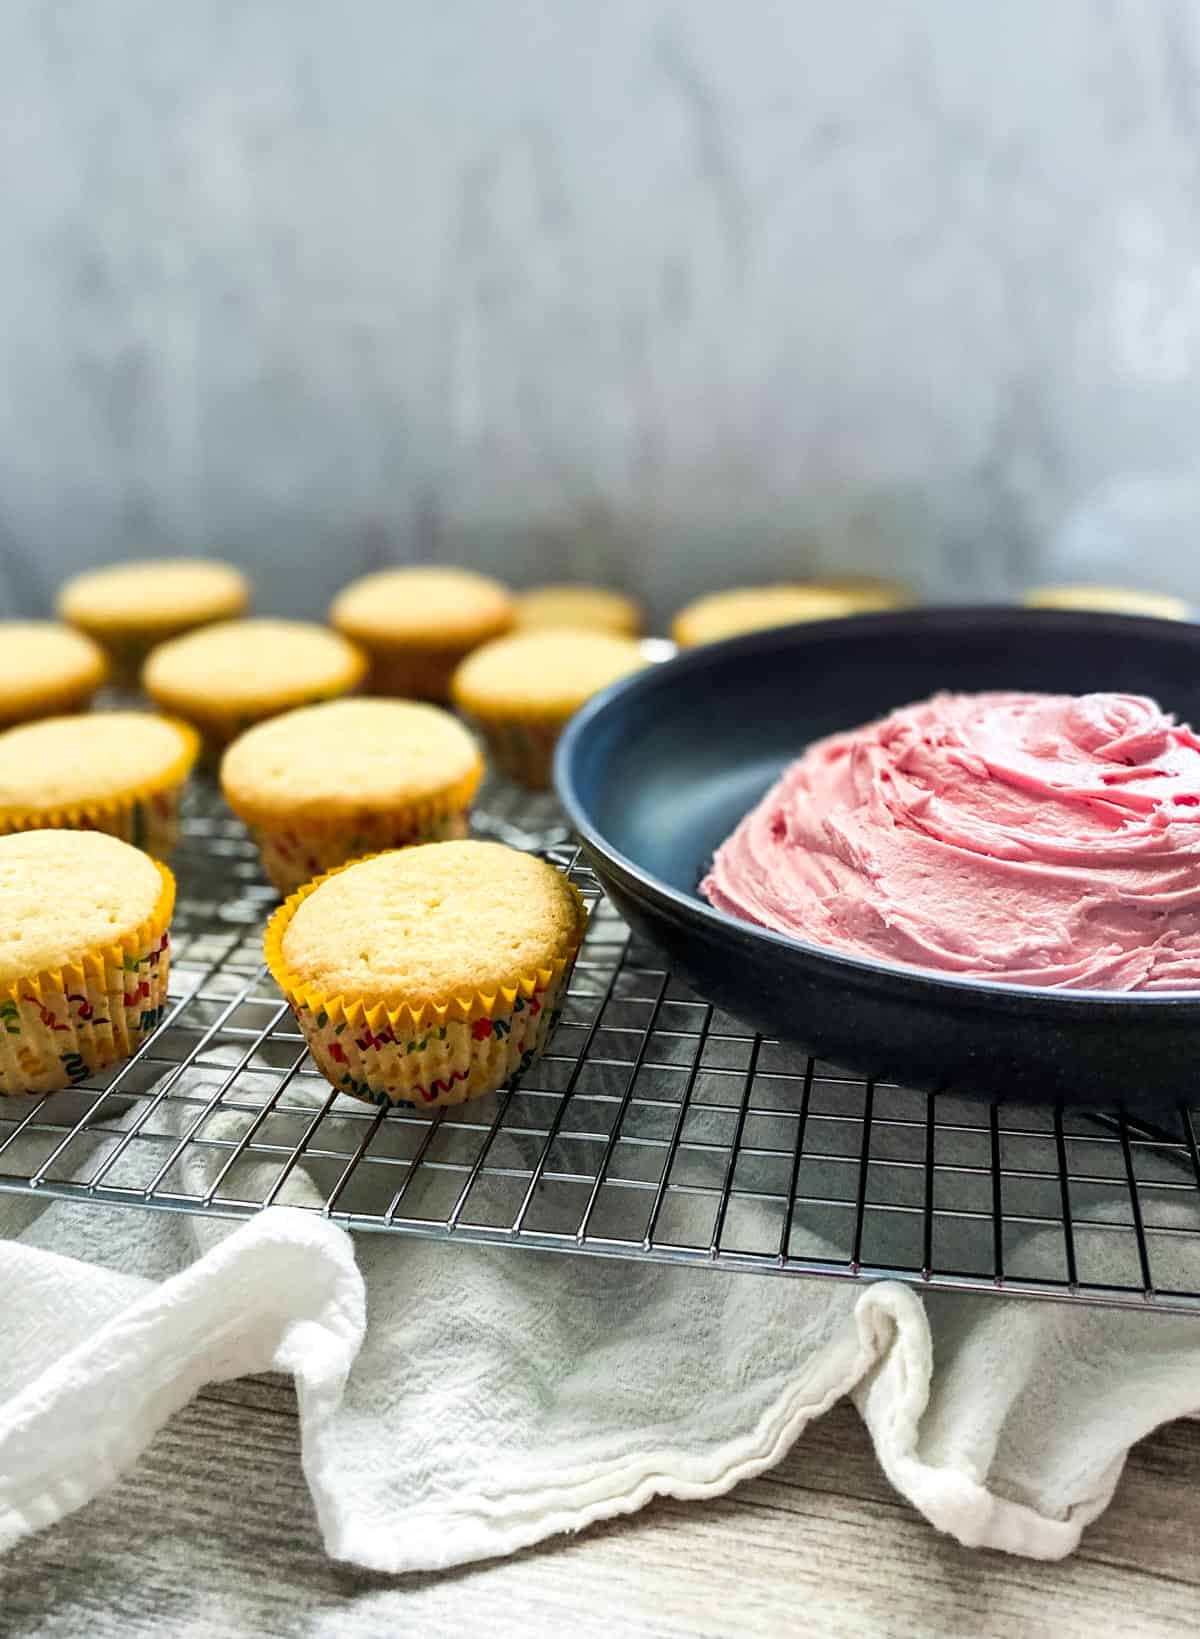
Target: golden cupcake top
<point>349,756</point>
<point>593,608</point>
<point>67,894</point>
<point>154,592</point>
<point>755,608</point>
<point>430,925</point>
<point>241,665</point>
<point>61,763</point>
<point>425,607</point>
<point>1116,600</point>
<point>43,661</point>
<point>545,673</point>
<point>870,592</point>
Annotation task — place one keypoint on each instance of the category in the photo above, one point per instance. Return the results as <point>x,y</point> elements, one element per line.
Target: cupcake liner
<point>145,813</point>
<point>128,651</point>
<point>521,692</point>
<point>414,673</point>
<point>149,823</point>
<point>522,747</point>
<point>293,854</point>
<point>441,1065</point>
<point>61,1026</point>
<point>436,1053</point>
<point>295,848</point>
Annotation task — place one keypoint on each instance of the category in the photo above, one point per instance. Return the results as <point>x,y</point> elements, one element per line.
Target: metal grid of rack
<point>654,1127</point>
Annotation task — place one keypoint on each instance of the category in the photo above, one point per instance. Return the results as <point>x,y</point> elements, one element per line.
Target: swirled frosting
<point>1035,839</point>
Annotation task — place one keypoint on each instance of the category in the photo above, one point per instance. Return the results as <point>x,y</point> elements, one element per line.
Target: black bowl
<point>655,773</point>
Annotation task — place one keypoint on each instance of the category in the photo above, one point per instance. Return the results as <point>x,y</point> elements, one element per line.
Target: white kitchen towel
<point>458,1402</point>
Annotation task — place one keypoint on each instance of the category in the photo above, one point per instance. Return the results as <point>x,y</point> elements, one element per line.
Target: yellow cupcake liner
<point>522,747</point>
<point>145,813</point>
<point>386,1051</point>
<point>62,1025</point>
<point>294,849</point>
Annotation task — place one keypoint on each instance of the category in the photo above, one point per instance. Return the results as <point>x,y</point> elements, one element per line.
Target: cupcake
<point>83,955</point>
<point>521,690</point>
<point>590,608</point>
<point>753,608</point>
<point>417,624</point>
<point>227,677</point>
<point>869,592</point>
<point>117,771</point>
<point>330,783</point>
<point>1115,600</point>
<point>45,669</point>
<point>428,975</point>
<point>131,607</point>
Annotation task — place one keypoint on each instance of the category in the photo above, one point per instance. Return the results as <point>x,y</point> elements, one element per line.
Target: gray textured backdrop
<point>669,293</point>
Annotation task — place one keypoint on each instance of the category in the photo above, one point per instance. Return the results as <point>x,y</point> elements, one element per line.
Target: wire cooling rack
<point>654,1127</point>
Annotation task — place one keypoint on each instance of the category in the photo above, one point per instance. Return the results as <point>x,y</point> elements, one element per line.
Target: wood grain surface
<point>213,1537</point>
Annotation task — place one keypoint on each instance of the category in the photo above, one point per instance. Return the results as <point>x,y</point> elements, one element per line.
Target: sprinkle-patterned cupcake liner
<point>148,823</point>
<point>522,747</point>
<point>145,814</point>
<point>63,1025</point>
<point>388,1052</point>
<point>295,848</point>
<point>441,1064</point>
<point>293,854</point>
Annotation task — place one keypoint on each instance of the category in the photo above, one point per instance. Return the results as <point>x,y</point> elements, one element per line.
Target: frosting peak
<point>1035,839</point>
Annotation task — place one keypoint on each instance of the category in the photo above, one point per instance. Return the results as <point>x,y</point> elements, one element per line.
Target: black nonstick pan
<point>656,772</point>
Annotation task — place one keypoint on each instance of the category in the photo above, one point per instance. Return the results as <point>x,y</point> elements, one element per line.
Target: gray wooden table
<point>213,1537</point>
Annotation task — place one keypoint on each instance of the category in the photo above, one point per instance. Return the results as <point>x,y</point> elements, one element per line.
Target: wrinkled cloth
<point>459,1402</point>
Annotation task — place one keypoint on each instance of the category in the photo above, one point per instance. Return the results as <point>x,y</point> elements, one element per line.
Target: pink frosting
<point>1033,838</point>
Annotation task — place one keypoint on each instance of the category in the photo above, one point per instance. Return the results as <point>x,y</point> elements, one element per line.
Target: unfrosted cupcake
<point>522,690</point>
<point>755,608</point>
<point>330,783</point>
<point>226,678</point>
<point>131,607</point>
<point>416,625</point>
<point>1116,600</point>
<point>586,608</point>
<point>117,771</point>
<point>428,975</point>
<point>83,955</point>
<point>869,592</point>
<point>45,669</point>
